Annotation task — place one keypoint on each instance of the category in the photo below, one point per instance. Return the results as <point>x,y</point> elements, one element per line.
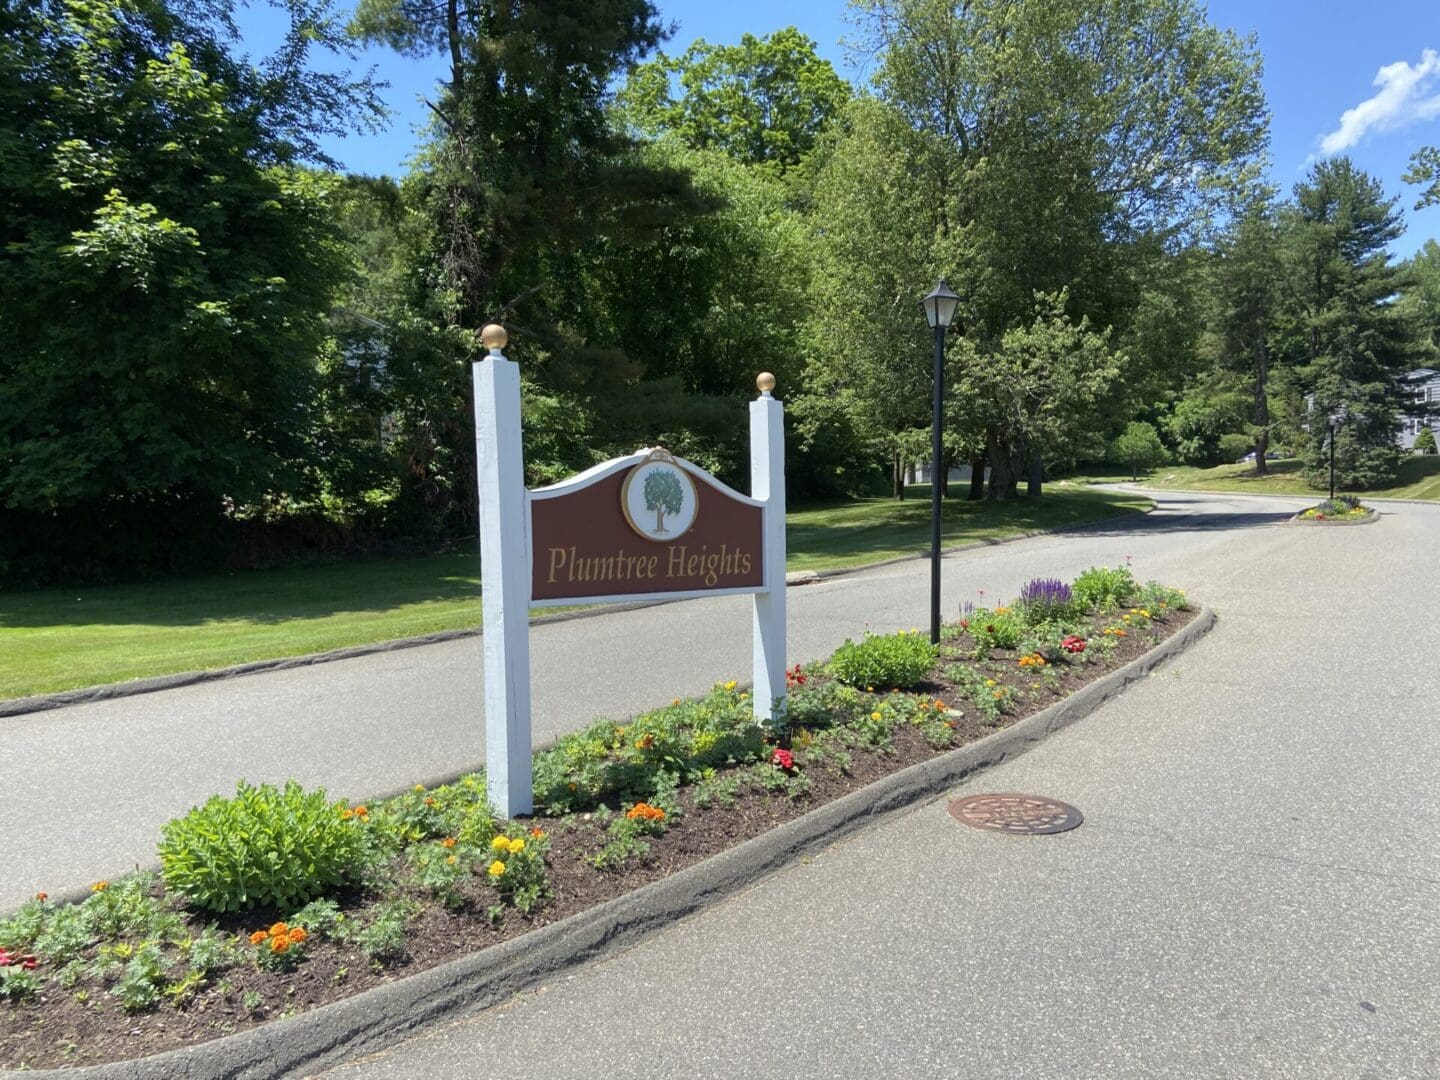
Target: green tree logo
<point>663,495</point>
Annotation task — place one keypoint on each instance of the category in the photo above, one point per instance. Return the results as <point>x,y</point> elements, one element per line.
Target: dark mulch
<point>57,1030</point>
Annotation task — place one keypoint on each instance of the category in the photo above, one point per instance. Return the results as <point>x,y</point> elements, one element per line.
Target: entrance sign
<point>647,526</point>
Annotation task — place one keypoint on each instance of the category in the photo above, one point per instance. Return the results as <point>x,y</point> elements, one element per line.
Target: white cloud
<point>1404,98</point>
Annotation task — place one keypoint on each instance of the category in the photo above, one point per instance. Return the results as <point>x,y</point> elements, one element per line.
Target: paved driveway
<point>1254,892</point>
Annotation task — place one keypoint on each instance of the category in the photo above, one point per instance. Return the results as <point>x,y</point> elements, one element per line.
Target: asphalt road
<point>1253,893</point>
<point>87,787</point>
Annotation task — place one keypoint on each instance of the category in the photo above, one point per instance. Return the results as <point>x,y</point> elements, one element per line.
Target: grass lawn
<point>1419,479</point>
<point>59,639</point>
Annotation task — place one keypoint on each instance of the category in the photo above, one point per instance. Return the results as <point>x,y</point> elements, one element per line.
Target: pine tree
<point>1342,325</point>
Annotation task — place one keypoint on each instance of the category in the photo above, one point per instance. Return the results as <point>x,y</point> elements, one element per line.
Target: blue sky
<point>1340,76</point>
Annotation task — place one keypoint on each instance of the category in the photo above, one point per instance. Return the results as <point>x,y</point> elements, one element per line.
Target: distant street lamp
<point>940,306</point>
<point>1338,417</point>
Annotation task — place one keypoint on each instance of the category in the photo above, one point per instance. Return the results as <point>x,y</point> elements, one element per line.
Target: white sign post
<point>504,578</point>
<point>674,565</point>
<point>767,482</point>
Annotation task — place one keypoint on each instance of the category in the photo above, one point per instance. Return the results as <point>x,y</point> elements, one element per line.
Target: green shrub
<point>266,847</point>
<point>1103,587</point>
<point>884,661</point>
<point>999,629</point>
<point>1425,441</point>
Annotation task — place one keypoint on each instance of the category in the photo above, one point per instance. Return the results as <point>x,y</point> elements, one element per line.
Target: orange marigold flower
<point>100,886</point>
<point>362,811</point>
<point>538,833</point>
<point>429,802</point>
<point>297,935</point>
<point>257,937</point>
<point>42,897</point>
<point>646,812</point>
<point>449,841</point>
<point>279,929</point>
<point>645,742</point>
<point>279,944</point>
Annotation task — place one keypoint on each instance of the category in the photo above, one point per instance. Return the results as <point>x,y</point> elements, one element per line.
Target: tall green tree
<point>1425,169</point>
<point>764,101</point>
<point>1341,325</point>
<point>526,179</point>
<point>167,268</point>
<point>1027,150</point>
<point>1244,288</point>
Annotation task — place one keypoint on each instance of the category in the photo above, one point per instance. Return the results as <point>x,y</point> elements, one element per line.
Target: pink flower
<point>783,759</point>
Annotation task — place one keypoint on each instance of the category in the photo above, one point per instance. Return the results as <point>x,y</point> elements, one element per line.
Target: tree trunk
<point>977,478</point>
<point>1004,470</point>
<point>1034,485</point>
<point>1134,472</point>
<point>897,478</point>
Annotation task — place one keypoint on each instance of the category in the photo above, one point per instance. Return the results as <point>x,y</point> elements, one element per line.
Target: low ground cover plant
<point>281,898</point>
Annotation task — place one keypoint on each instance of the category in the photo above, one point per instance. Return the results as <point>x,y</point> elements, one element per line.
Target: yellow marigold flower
<point>1002,611</point>
<point>675,702</point>
<point>869,689</point>
<point>100,886</point>
<point>874,716</point>
<point>497,869</point>
<point>419,787</point>
<point>257,937</point>
<point>516,846</point>
<point>452,859</point>
<point>989,682</point>
<point>500,843</point>
<point>346,814</point>
<point>731,685</point>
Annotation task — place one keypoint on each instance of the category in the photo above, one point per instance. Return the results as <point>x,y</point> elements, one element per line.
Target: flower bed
<point>1341,510</point>
<point>278,900</point>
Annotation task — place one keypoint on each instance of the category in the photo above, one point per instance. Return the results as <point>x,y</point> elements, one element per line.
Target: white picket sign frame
<point>506,553</point>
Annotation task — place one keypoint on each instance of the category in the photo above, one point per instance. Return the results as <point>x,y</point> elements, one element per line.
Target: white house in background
<point>1425,384</point>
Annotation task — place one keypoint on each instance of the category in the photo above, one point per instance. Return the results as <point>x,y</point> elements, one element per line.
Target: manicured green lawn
<point>58,639</point>
<point>1419,479</point>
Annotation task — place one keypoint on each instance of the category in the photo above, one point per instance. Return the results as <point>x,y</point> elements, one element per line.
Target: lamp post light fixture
<point>1338,417</point>
<point>940,306</point>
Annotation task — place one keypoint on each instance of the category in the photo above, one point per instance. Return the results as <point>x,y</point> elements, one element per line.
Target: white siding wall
<point>1429,390</point>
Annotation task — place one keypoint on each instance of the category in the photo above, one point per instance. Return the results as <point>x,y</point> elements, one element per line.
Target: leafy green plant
<point>384,935</point>
<point>440,869</point>
<point>144,979</point>
<point>897,661</point>
<point>265,847</point>
<point>517,868</point>
<point>1102,588</point>
<point>321,918</point>
<point>999,629</point>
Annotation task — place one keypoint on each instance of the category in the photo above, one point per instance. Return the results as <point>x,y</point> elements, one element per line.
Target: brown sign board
<point>646,525</point>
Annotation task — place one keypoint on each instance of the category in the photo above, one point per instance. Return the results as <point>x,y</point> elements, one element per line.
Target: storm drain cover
<point>1016,814</point>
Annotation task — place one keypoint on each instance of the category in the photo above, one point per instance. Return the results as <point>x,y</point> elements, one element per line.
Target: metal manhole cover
<point>1016,814</point>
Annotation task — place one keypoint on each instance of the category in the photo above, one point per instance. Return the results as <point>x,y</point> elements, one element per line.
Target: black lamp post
<point>1337,418</point>
<point>940,306</point>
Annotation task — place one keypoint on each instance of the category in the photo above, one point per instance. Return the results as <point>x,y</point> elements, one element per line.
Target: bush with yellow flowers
<point>516,867</point>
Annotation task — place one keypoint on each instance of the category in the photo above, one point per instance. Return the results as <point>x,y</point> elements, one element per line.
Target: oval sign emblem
<point>659,499</point>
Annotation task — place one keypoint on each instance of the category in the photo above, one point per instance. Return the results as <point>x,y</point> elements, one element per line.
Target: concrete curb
<point>376,1018</point>
<point>83,695</point>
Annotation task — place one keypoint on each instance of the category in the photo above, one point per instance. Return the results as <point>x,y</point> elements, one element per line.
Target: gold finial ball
<point>494,336</point>
<point>765,382</point>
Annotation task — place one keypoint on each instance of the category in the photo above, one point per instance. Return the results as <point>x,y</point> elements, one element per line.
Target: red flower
<point>1073,644</point>
<point>783,759</point>
<point>964,624</point>
<point>795,677</point>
